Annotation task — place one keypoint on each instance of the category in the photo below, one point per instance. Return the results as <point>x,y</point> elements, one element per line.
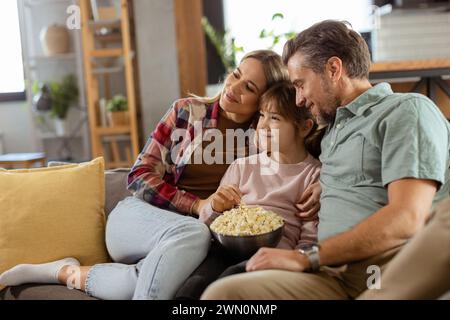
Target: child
<point>275,178</point>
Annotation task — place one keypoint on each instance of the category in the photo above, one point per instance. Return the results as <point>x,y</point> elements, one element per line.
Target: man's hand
<point>309,204</point>
<point>225,198</point>
<point>282,259</point>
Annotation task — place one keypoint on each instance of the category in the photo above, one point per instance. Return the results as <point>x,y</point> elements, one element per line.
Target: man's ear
<point>334,68</point>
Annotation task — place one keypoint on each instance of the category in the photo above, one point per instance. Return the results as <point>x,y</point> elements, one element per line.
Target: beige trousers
<point>422,269</point>
<point>346,282</point>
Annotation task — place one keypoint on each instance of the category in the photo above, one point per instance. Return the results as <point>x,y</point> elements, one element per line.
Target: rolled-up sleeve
<point>415,142</point>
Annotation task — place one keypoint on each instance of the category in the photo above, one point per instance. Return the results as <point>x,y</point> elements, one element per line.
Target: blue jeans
<point>154,251</point>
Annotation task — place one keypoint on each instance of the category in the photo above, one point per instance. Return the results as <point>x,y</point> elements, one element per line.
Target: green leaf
<point>223,43</point>
<point>277,15</point>
<point>35,87</point>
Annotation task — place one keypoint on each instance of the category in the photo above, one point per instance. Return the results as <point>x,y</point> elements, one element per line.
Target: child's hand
<point>225,198</point>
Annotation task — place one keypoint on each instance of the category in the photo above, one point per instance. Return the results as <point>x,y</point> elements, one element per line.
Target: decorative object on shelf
<point>42,101</point>
<point>117,109</point>
<point>55,39</point>
<point>105,9</point>
<point>61,96</point>
<point>64,94</point>
<point>103,118</point>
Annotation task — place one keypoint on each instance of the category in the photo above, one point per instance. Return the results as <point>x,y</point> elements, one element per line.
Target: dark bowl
<point>245,246</point>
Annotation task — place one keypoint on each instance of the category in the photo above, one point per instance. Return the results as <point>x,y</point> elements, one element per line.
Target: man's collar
<point>369,98</point>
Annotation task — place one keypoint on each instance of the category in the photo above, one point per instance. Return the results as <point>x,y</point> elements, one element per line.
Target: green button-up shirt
<point>378,138</point>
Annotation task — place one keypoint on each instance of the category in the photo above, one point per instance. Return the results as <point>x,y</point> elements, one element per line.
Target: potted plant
<point>274,37</point>
<point>224,45</point>
<point>62,95</point>
<point>117,109</point>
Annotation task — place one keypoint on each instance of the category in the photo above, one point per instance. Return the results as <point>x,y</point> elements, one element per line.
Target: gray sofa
<point>115,185</point>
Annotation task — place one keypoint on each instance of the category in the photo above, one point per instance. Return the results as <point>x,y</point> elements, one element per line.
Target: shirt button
<point>339,125</point>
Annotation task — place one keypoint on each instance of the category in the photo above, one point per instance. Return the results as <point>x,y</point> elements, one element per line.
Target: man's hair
<point>331,38</point>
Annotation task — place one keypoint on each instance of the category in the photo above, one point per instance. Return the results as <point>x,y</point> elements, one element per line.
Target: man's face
<point>313,90</point>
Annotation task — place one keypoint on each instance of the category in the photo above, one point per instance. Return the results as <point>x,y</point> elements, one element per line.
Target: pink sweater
<point>278,188</point>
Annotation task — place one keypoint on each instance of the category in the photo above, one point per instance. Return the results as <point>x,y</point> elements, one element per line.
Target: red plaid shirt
<point>159,166</point>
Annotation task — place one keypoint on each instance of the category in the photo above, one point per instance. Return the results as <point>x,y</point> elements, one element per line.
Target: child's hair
<point>281,96</point>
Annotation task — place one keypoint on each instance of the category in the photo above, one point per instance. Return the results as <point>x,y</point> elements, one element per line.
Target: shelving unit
<point>118,144</point>
<point>35,15</point>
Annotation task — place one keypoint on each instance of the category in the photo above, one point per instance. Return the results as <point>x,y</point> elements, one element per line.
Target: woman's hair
<point>281,96</point>
<point>274,70</point>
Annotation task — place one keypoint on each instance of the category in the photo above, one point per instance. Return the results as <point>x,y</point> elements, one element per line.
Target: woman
<point>152,237</point>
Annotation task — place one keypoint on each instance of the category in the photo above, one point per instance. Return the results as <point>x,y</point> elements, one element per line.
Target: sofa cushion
<point>50,213</point>
<point>116,188</point>
<point>115,185</point>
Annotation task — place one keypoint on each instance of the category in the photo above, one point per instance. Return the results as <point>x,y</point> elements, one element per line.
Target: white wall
<point>413,35</point>
<point>157,58</point>
<point>16,126</point>
<point>246,18</point>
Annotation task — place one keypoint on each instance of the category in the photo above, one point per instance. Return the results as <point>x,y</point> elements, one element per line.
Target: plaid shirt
<point>159,166</point>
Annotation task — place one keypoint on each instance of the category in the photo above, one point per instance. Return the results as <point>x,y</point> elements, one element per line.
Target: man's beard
<point>331,103</point>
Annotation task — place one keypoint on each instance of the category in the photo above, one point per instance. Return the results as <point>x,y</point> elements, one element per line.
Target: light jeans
<point>155,250</point>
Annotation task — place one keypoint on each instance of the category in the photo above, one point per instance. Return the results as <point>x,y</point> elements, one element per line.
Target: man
<point>385,162</point>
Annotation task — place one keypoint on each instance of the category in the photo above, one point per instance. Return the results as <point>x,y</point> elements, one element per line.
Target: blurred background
<point>84,78</point>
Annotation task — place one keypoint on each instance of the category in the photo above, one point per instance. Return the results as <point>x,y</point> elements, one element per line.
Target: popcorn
<point>246,221</point>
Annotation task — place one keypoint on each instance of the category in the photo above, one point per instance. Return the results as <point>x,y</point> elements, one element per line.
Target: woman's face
<point>242,89</point>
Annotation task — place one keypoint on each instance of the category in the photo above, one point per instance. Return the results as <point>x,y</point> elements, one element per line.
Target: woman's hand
<point>309,204</point>
<point>282,259</point>
<point>225,198</point>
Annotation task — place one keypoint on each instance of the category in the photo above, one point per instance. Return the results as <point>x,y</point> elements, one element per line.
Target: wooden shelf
<point>409,65</point>
<point>111,142</point>
<point>65,56</point>
<point>53,135</point>
<point>104,24</point>
<point>109,70</point>
<point>107,53</point>
<point>109,38</point>
<point>113,130</point>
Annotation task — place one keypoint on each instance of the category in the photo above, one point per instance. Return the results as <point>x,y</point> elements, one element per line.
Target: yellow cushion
<point>48,214</point>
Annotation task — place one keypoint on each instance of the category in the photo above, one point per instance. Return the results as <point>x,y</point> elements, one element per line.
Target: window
<point>12,83</point>
<point>298,15</point>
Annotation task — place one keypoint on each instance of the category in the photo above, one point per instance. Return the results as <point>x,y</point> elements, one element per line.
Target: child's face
<point>274,131</point>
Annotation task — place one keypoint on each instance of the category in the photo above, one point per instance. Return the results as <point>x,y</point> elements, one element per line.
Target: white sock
<point>35,273</point>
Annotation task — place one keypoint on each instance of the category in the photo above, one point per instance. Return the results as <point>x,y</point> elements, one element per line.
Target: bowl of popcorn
<point>245,229</point>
